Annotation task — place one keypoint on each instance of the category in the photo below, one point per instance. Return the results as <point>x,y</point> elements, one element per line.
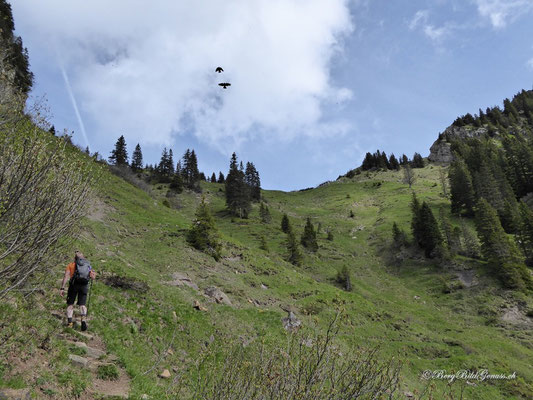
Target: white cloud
<point>500,12</point>
<point>420,20</point>
<point>530,63</point>
<point>147,68</point>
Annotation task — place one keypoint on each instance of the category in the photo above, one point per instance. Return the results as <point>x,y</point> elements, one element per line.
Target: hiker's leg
<point>83,311</point>
<point>70,311</point>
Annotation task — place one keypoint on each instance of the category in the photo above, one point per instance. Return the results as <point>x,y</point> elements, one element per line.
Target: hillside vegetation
<point>428,314</point>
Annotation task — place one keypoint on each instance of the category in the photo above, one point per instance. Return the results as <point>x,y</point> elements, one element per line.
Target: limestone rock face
<point>440,151</point>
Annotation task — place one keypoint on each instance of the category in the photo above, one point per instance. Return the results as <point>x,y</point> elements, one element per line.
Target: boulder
<point>218,295</point>
<point>78,361</point>
<point>291,323</point>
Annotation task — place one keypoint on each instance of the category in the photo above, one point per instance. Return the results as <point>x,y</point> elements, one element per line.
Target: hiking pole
<point>89,297</point>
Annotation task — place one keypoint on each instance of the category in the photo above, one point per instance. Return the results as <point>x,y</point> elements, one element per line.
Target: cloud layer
<point>500,12</point>
<point>147,68</point>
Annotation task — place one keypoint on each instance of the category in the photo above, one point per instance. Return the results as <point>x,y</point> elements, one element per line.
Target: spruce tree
<point>416,220</point>
<point>525,232</point>
<point>471,247</point>
<point>398,236</point>
<point>203,234</point>
<point>264,213</point>
<point>498,249</point>
<point>430,238</point>
<point>137,159</point>
<point>461,188</point>
<point>285,223</point>
<point>393,162</point>
<point>251,177</point>
<point>418,161</point>
<point>119,156</point>
<point>308,239</point>
<point>343,278</point>
<point>294,254</point>
<point>213,178</point>
<point>221,178</point>
<point>237,191</point>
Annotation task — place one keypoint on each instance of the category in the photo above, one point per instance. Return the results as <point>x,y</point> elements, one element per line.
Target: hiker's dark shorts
<point>77,290</point>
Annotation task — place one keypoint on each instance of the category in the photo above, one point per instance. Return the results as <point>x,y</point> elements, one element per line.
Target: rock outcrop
<point>440,152</point>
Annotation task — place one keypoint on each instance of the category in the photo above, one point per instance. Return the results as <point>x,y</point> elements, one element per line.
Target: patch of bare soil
<point>98,210</point>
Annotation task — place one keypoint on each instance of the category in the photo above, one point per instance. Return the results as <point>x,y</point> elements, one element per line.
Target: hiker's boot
<point>70,324</point>
<point>83,325</point>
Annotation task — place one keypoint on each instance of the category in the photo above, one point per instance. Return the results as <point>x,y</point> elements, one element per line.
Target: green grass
<point>450,327</point>
<point>108,372</point>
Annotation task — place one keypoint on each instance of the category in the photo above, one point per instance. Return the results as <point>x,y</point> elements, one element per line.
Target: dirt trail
<point>94,356</point>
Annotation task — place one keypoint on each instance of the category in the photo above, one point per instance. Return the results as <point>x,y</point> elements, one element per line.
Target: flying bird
<point>224,85</point>
<point>219,70</point>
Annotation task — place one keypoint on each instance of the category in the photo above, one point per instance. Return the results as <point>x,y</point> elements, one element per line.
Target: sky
<point>315,84</point>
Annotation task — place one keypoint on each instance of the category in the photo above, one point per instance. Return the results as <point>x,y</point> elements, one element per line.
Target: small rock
<point>417,297</point>
<point>470,383</point>
<point>165,374</point>
<point>145,397</point>
<point>78,361</point>
<point>86,335</point>
<point>174,315</point>
<point>94,353</point>
<point>218,295</point>
<point>198,306</point>
<point>409,395</point>
<point>290,322</point>
<point>264,287</point>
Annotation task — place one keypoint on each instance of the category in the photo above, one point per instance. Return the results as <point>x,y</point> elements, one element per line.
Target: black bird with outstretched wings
<point>224,85</point>
<point>219,70</point>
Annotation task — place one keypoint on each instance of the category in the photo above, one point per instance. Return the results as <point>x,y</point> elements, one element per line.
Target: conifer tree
<point>498,250</point>
<point>263,244</point>
<point>404,160</point>
<point>308,239</point>
<point>416,220</point>
<point>294,254</point>
<point>418,161</point>
<point>251,177</point>
<point>471,242</point>
<point>221,178</point>
<point>137,159</point>
<point>213,178</point>
<point>393,162</point>
<point>264,213</point>
<point>119,156</point>
<point>525,231</point>
<point>285,223</point>
<point>343,278</point>
<point>237,191</point>
<point>461,188</point>
<point>203,234</point>
<point>398,236</point>
<point>430,238</point>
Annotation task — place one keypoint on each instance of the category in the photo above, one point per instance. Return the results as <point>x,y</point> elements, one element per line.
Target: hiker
<point>78,273</point>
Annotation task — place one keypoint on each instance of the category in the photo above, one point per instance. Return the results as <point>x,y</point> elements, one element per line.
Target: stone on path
<point>165,374</point>
<point>15,394</point>
<point>78,361</point>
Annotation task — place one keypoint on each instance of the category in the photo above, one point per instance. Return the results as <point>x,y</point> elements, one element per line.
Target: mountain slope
<point>417,311</point>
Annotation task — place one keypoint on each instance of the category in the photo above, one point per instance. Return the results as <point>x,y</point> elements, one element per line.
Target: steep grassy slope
<point>417,311</point>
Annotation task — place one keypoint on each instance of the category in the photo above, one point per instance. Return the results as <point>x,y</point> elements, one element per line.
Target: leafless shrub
<point>308,368</point>
<point>409,177</point>
<point>124,172</point>
<point>44,192</point>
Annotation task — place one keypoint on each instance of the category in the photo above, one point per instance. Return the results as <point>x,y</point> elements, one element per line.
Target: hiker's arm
<point>92,274</point>
<point>65,279</point>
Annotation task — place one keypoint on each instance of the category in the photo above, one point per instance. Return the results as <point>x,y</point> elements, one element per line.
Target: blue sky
<point>315,83</point>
